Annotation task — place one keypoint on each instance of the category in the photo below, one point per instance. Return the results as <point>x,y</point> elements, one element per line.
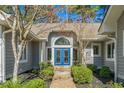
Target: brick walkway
<point>62,79</point>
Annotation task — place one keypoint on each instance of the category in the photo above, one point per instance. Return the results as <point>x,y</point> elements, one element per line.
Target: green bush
<point>47,73</point>
<point>35,83</point>
<point>92,67</point>
<point>44,65</point>
<point>105,72</point>
<point>115,85</point>
<point>82,74</point>
<point>10,84</point>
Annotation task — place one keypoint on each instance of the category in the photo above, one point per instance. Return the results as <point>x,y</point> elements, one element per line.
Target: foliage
<point>88,12</point>
<point>115,84</point>
<point>44,65</point>
<point>35,71</point>
<point>81,74</point>
<point>47,73</point>
<point>105,72</point>
<point>92,67</point>
<point>35,83</point>
<point>10,84</point>
<point>46,70</point>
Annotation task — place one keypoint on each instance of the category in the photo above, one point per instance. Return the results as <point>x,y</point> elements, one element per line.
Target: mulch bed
<point>98,82</point>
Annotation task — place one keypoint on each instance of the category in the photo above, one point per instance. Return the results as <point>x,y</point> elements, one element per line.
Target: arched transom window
<point>62,41</point>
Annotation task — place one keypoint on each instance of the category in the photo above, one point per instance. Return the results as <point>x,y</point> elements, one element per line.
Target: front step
<point>61,68</point>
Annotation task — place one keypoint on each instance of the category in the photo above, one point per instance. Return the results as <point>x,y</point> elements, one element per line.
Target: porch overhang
<point>109,24</point>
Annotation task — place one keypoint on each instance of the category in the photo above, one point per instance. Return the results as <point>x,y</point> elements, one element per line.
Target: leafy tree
<point>88,14</point>
<point>20,22</point>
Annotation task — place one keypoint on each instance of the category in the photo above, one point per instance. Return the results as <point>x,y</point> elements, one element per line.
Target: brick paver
<point>62,79</point>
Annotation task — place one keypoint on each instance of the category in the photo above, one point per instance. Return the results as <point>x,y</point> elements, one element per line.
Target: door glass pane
<point>66,56</point>
<point>58,56</point>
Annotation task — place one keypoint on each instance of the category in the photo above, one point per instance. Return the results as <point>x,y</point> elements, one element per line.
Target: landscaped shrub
<point>92,67</point>
<point>115,85</point>
<point>82,74</point>
<point>44,65</point>
<point>47,73</point>
<point>105,72</point>
<point>10,84</point>
<point>35,83</point>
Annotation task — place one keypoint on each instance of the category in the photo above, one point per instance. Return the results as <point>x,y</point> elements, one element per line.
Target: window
<point>48,53</point>
<point>110,50</point>
<point>24,56</point>
<point>74,54</point>
<point>62,41</point>
<point>96,49</point>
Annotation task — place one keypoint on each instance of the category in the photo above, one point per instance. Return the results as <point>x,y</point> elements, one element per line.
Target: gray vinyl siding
<point>9,58</point>
<point>107,63</point>
<point>98,61</point>
<point>120,57</point>
<point>35,55</point>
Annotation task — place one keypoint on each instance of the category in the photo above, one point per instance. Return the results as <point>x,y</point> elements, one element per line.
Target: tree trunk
<point>15,71</point>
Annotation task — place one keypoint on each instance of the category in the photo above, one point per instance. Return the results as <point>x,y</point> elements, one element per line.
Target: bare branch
<point>29,25</point>
<point>17,12</point>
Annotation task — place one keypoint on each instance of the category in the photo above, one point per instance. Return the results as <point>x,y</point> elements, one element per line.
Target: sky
<point>64,15</point>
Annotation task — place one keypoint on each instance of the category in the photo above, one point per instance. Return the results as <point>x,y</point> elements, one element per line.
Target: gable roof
<point>109,22</point>
<point>88,30</point>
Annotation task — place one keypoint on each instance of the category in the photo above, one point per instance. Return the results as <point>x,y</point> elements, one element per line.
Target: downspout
<point>3,55</point>
<point>115,58</point>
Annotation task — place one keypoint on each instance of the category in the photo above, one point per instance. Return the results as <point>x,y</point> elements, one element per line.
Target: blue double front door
<point>61,56</point>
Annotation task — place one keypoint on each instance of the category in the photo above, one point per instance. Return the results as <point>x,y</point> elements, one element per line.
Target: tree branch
<point>5,17</point>
<point>29,25</point>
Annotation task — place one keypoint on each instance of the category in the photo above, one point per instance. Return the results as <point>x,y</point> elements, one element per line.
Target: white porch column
<point>43,51</point>
<point>71,56</point>
<point>2,71</point>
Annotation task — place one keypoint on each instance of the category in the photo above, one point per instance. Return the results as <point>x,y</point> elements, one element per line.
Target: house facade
<point>58,43</point>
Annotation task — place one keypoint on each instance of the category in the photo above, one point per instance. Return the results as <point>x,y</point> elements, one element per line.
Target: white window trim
<point>99,45</point>
<point>108,59</point>
<point>25,60</point>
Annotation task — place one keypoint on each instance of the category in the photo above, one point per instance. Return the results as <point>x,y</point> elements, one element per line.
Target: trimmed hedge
<point>92,67</point>
<point>105,72</point>
<point>82,74</point>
